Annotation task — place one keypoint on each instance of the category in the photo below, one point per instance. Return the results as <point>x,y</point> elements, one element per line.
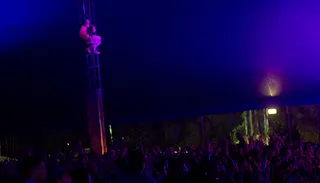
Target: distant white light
<point>68,144</point>
<point>271,86</point>
<point>272,111</point>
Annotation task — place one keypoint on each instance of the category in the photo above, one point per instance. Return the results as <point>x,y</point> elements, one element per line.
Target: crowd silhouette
<point>251,161</point>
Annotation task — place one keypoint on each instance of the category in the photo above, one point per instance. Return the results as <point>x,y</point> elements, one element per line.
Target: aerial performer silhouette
<point>88,34</point>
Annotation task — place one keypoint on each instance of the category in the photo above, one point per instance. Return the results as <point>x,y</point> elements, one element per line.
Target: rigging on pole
<point>95,113</point>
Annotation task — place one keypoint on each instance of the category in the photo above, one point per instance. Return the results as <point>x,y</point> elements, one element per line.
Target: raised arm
<point>83,33</point>
<point>94,29</point>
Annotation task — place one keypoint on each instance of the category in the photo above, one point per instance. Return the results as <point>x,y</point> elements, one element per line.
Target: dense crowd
<point>223,162</point>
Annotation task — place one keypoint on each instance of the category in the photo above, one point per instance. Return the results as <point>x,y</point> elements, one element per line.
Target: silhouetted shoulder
<point>149,180</point>
<point>136,178</point>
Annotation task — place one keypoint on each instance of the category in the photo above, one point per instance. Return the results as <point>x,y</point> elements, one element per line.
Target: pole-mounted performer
<point>88,34</point>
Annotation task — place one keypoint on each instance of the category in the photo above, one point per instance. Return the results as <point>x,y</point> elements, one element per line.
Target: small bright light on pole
<point>272,111</point>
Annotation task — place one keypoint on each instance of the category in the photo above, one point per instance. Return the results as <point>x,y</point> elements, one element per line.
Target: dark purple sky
<point>160,59</point>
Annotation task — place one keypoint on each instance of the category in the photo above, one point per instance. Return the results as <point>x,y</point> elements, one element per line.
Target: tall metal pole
<point>203,131</point>
<point>250,122</point>
<point>259,123</point>
<point>95,113</point>
<point>245,121</point>
<point>266,125</point>
<point>288,124</point>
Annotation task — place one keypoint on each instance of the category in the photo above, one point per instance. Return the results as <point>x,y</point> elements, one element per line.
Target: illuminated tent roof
<point>174,58</point>
<point>179,58</point>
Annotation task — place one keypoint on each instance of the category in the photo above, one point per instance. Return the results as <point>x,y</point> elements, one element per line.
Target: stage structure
<point>94,102</point>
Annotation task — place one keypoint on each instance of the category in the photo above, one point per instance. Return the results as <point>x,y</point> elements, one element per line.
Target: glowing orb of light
<point>272,111</point>
<point>271,86</point>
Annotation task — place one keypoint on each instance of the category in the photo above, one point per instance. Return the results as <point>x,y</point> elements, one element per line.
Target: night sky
<point>160,59</point>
